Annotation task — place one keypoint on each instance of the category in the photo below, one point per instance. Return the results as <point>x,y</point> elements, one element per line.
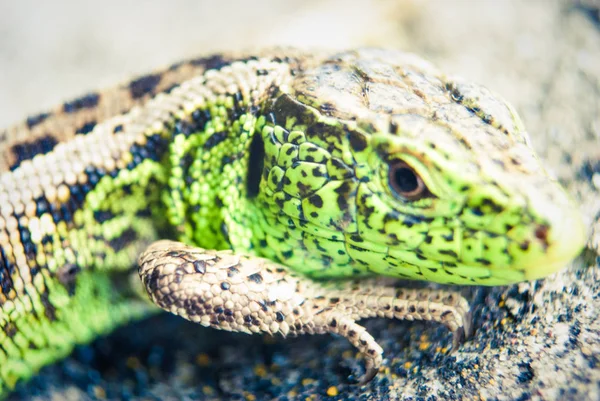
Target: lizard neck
<point>215,158</point>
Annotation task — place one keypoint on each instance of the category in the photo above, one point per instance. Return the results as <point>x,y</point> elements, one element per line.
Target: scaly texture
<point>365,162</point>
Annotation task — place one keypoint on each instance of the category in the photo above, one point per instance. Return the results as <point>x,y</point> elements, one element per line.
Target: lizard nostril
<point>541,233</point>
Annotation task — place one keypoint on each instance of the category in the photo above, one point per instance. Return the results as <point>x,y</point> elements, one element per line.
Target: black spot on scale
<point>9,329</point>
<point>341,166</point>
<point>152,281</point>
<point>5,269</point>
<point>263,303</point>
<point>327,108</point>
<point>316,201</point>
<point>316,172</point>
<point>588,170</point>
<point>215,62</point>
<point>237,110</point>
<point>42,205</point>
<point>144,85</point>
<point>225,160</point>
<point>477,211</point>
<point>225,232</point>
<point>126,238</point>
<point>67,276</point>
<point>256,162</point>
<point>318,246</point>
<point>28,150</point>
<point>102,216</point>
<point>359,249</point>
<point>86,128</point>
<point>449,237</point>
<point>357,141</point>
<point>199,266</point>
<point>448,252</point>
<point>303,189</point>
<point>5,265</point>
<point>215,139</point>
<point>449,264</point>
<point>85,102</point>
<point>183,127</point>
<point>201,117</point>
<point>411,220</point>
<point>492,205</point>
<point>170,88</point>
<point>28,246</point>
<point>153,149</point>
<point>256,277</point>
<point>32,121</point>
<point>94,174</point>
<point>484,262</point>
<point>49,309</point>
<point>475,109</point>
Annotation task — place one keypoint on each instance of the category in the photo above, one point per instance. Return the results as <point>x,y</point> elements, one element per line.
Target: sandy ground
<point>533,341</point>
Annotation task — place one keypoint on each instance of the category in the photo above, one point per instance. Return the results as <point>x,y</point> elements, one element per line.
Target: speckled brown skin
<point>234,292</point>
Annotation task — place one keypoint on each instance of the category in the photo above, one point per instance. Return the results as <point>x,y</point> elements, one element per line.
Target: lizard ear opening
<point>255,165</point>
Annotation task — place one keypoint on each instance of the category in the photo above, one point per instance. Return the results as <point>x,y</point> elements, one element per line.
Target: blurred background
<point>542,55</point>
<point>51,51</point>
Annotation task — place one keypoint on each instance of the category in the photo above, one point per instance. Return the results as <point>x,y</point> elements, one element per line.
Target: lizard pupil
<point>406,183</point>
<point>255,166</point>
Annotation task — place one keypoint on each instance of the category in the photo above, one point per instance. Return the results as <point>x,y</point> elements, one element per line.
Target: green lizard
<point>292,171</point>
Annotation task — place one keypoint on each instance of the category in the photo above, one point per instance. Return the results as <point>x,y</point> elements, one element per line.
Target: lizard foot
<point>242,293</point>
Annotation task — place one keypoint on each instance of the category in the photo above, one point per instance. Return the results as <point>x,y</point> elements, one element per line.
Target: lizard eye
<point>406,183</point>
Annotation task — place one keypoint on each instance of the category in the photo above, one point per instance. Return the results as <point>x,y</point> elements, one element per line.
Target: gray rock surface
<point>533,341</point>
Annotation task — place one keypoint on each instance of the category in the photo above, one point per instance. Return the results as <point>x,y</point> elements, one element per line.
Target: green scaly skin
<point>326,131</point>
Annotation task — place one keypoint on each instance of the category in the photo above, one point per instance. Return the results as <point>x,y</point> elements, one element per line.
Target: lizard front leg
<point>249,294</point>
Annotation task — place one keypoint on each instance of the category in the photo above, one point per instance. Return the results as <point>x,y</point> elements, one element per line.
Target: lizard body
<point>291,171</point>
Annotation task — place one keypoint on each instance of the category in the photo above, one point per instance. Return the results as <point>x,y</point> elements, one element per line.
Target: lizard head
<point>382,164</point>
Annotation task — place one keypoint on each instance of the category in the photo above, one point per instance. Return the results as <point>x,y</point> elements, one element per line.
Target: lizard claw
<point>462,333</point>
<point>468,325</point>
<point>458,338</point>
<point>368,376</point>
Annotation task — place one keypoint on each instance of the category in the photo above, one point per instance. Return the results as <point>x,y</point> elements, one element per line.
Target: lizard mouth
<point>563,241</point>
<point>477,257</point>
<point>555,237</point>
